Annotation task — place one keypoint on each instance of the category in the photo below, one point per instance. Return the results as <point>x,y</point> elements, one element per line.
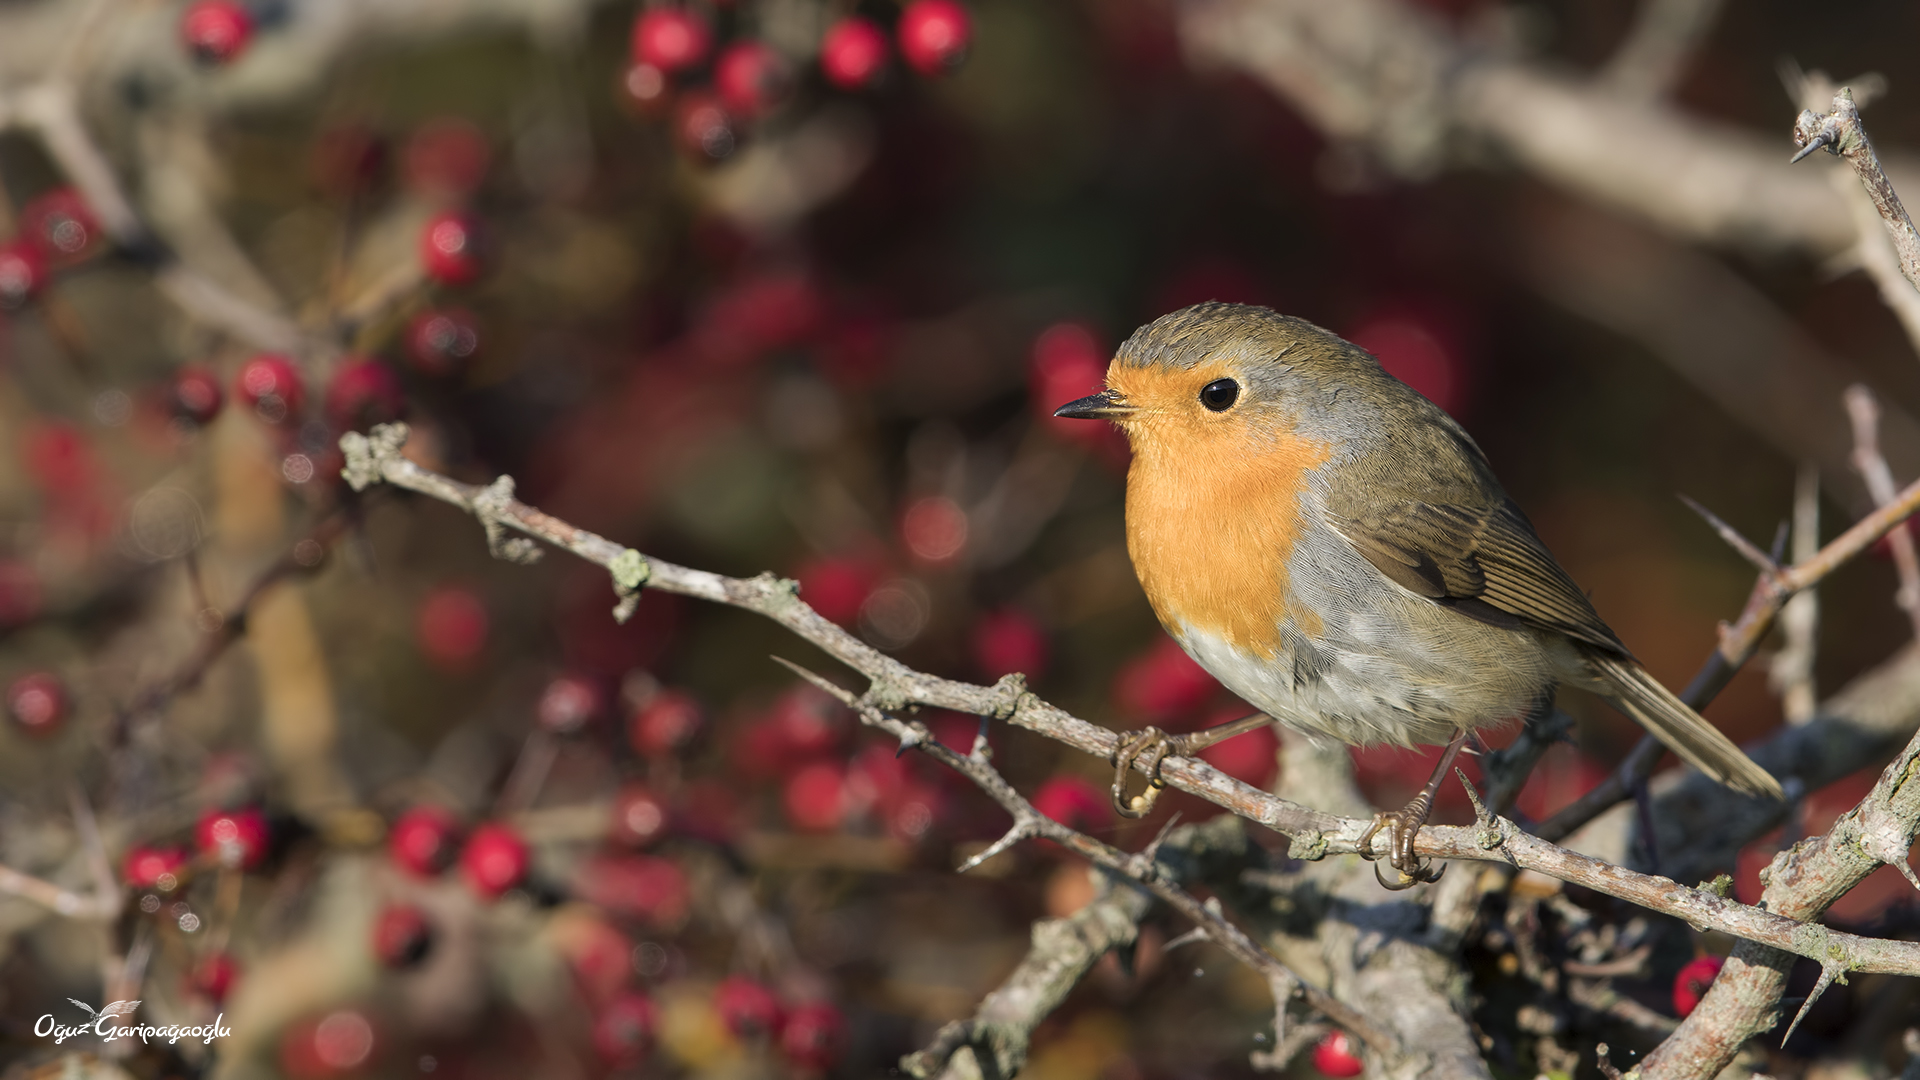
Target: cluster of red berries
<point>673,47</point>
<point>57,229</point>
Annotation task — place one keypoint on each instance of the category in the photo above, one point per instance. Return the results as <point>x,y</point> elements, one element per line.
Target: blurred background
<point>783,285</point>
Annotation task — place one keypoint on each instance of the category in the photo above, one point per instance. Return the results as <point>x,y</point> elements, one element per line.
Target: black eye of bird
<point>1220,394</point>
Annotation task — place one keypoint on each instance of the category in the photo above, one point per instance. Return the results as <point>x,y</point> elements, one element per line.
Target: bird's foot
<point>1152,745</point>
<point>1402,827</point>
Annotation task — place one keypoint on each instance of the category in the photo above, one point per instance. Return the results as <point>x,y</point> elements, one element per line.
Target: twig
<point>1840,132</point>
<point>1142,868</point>
<point>51,109</point>
<point>377,457</point>
<point>1791,673</point>
<point>304,557</point>
<point>1063,951</point>
<point>1738,643</point>
<point>1864,411</point>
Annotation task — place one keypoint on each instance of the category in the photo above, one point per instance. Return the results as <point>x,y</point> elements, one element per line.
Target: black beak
<point>1105,405</point>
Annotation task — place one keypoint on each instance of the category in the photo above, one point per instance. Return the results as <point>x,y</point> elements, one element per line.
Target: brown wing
<point>1484,562</point>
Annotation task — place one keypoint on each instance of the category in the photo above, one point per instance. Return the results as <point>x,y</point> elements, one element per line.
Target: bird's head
<point>1229,378</point>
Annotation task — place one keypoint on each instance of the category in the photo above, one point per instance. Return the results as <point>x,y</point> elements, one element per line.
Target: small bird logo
<point>113,1009</point>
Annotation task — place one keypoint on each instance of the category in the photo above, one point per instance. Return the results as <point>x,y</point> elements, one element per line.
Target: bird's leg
<point>1156,746</point>
<point>1404,824</point>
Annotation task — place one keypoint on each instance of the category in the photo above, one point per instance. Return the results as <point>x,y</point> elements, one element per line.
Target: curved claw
<point>1424,873</point>
<point>1400,855</point>
<point>1155,745</point>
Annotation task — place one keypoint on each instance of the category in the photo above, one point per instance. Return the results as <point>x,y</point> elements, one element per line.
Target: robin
<point>1335,550</point>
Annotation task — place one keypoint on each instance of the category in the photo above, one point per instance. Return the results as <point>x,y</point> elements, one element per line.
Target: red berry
<point>233,838</point>
<point>450,249</point>
<point>336,1045</point>
<point>934,529</point>
<point>213,976</point>
<point>568,703</point>
<point>196,395</point>
<point>156,869</point>
<point>639,816</point>
<point>1163,682</point>
<point>814,1037</point>
<point>23,270</point>
<point>810,722</point>
<point>934,35</point>
<point>670,39</point>
<point>752,78</point>
<point>451,628</point>
<point>38,703</point>
<point>424,840</point>
<point>447,159</point>
<point>1691,984</point>
<point>495,859</point>
<point>1334,1055</point>
<point>272,386</point>
<point>624,1030</point>
<point>1009,640</point>
<point>668,722</point>
<point>215,31</point>
<point>816,797</point>
<point>838,588</point>
<point>442,340</point>
<point>59,225</point>
<point>748,1008</point>
<point>402,936</point>
<point>1074,801</point>
<point>704,128</point>
<point>644,887</point>
<point>364,392</point>
<point>853,53</point>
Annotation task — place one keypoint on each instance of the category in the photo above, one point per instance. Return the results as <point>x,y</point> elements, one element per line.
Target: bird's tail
<point>1684,731</point>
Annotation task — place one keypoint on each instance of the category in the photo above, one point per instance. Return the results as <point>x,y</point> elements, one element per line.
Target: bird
<point>1335,549</point>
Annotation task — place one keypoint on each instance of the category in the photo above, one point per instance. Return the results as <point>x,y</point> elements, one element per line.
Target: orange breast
<point>1210,529</point>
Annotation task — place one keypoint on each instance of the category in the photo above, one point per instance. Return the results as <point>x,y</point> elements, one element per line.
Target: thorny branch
<point>1141,868</point>
<point>1840,132</point>
<point>377,458</point>
<point>1800,884</point>
<point>1775,586</point>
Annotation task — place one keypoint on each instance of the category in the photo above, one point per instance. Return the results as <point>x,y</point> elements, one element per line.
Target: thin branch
<point>51,110</point>
<point>377,457</point>
<point>304,557</point>
<point>1864,411</point>
<point>1738,643</point>
<point>1841,132</point>
<point>1063,951</point>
